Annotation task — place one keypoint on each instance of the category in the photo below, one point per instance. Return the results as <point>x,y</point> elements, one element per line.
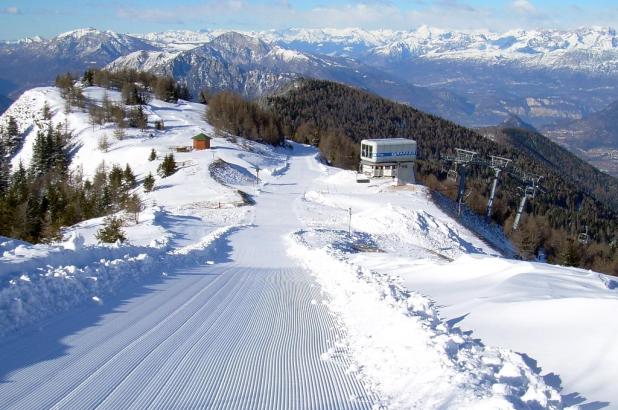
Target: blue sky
<point>24,18</point>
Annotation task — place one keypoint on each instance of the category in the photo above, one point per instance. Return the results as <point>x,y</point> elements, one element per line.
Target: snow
<point>402,244</point>
<point>592,49</point>
<point>288,55</point>
<point>234,292</point>
<point>560,316</point>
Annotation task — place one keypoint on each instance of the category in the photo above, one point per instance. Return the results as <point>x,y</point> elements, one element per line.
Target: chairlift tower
<point>531,186</point>
<point>498,164</point>
<point>460,164</point>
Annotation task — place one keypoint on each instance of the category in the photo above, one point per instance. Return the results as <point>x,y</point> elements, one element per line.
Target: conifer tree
<point>153,155</point>
<point>129,177</point>
<point>12,129</point>
<point>149,182</point>
<point>111,231</point>
<point>46,111</point>
<point>88,77</point>
<point>168,166</point>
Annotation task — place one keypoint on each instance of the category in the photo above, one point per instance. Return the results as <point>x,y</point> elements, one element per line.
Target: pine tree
<point>5,168</point>
<point>130,94</point>
<point>149,182</point>
<point>46,111</point>
<point>12,129</point>
<point>153,155</point>
<point>116,189</point>
<point>138,118</point>
<point>19,183</point>
<point>570,255</point>
<point>111,231</point>
<point>168,166</point>
<point>129,177</point>
<point>88,77</point>
<point>33,223</point>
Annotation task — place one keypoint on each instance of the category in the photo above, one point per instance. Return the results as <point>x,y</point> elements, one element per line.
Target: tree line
<point>335,118</point>
<point>233,114</point>
<point>136,86</point>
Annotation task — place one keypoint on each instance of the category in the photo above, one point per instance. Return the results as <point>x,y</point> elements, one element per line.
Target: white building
<point>389,157</point>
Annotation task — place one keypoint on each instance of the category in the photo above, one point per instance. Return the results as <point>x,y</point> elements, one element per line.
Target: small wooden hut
<point>201,141</point>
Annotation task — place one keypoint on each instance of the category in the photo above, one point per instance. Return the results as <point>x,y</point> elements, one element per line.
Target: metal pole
<point>350,222</point>
<point>492,195</point>
<point>519,211</point>
<point>462,187</point>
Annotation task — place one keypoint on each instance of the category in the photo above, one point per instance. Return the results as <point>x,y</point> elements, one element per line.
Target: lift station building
<point>389,157</point>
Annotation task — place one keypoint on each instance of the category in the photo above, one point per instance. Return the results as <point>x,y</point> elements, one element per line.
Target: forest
<point>233,114</point>
<point>335,118</point>
<point>37,202</point>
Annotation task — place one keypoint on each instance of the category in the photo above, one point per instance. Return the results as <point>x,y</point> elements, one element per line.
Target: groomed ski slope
<point>215,305</point>
<point>243,333</point>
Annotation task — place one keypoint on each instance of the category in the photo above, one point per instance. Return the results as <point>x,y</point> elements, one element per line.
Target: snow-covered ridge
<point>587,48</point>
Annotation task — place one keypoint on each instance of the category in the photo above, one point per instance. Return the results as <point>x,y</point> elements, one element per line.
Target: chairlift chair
<point>530,192</point>
<point>452,175</point>
<point>583,237</point>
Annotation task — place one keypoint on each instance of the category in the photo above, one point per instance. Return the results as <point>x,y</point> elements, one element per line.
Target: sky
<point>27,18</point>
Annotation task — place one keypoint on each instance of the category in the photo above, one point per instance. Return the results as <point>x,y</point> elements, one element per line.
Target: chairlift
<point>464,156</point>
<point>452,175</point>
<point>530,192</point>
<point>499,162</point>
<point>583,237</point>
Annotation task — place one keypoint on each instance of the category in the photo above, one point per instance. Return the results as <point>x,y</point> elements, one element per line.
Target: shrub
<point>111,231</point>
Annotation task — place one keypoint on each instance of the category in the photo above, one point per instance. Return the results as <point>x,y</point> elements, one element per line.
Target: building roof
<point>390,141</point>
<point>201,137</point>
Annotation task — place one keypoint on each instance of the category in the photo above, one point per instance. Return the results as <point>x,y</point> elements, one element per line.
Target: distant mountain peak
<point>81,32</point>
<point>513,121</point>
<point>239,40</point>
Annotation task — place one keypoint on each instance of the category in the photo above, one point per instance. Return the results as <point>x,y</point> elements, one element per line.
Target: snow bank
<point>563,317</point>
<point>408,354</point>
<point>57,287</point>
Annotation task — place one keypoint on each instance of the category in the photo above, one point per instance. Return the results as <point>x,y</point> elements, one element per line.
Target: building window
<point>366,151</point>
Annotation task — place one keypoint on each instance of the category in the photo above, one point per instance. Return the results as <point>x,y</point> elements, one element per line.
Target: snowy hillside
<point>261,299</point>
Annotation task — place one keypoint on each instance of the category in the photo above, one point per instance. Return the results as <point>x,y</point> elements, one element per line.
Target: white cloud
<point>10,10</point>
<point>523,6</point>
<point>368,14</point>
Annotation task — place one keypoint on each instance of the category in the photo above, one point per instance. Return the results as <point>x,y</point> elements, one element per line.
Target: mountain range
<point>35,61</point>
<point>550,79</point>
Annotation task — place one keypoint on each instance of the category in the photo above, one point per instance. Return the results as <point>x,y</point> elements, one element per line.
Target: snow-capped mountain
<point>38,61</point>
<point>540,75</point>
<point>475,78</point>
<point>591,49</point>
<point>253,67</point>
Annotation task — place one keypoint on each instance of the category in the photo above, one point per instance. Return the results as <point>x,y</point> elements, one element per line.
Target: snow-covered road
<point>248,331</point>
